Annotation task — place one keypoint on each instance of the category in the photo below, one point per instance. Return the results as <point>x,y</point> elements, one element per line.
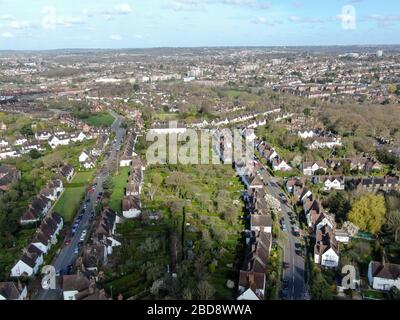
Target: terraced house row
<point>252,278</point>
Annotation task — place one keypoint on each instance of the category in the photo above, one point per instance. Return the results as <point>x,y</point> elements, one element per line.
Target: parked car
<point>67,242</point>
<point>296,231</point>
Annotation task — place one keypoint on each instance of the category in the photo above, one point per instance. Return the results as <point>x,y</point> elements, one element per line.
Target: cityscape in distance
<point>216,150</point>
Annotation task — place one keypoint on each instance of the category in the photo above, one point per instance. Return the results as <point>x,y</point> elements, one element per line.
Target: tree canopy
<point>368,212</point>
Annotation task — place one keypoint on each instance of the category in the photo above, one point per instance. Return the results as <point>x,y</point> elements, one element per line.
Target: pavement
<point>69,253</point>
<point>295,274</point>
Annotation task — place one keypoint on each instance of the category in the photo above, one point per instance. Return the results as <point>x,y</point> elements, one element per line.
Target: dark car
<point>299,252</point>
<point>285,284</point>
<point>67,242</point>
<point>284,294</point>
<point>286,265</point>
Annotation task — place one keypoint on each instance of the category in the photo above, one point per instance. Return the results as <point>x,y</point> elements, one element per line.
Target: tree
<point>338,203</point>
<point>307,112</point>
<point>52,159</point>
<point>205,291</point>
<point>319,287</point>
<point>393,223</point>
<point>26,130</point>
<point>392,88</point>
<point>34,154</point>
<point>108,184</point>
<point>368,212</point>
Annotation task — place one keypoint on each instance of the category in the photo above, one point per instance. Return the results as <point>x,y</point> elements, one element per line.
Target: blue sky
<point>52,24</point>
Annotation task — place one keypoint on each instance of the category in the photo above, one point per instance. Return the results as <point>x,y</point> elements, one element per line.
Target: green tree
<point>368,212</point>
<point>319,287</point>
<point>34,154</point>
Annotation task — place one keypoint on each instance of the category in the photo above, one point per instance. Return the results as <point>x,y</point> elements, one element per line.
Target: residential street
<point>68,255</point>
<point>295,274</point>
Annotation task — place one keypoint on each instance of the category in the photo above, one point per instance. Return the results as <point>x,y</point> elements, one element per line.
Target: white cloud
<point>123,8</point>
<point>21,24</point>
<point>262,20</point>
<point>116,37</point>
<point>7,35</point>
<point>304,20</point>
<point>51,19</point>
<point>138,36</point>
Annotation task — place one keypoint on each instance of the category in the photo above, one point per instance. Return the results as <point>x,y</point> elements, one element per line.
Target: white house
<point>56,141</point>
<point>3,143</point>
<point>20,142</point>
<point>383,275</point>
<point>43,136</point>
<point>330,183</point>
<point>29,263</point>
<point>306,134</point>
<point>279,164</point>
<point>248,295</point>
<point>131,207</point>
<point>310,168</point>
<point>326,251</point>
<point>84,156</point>
<point>251,285</point>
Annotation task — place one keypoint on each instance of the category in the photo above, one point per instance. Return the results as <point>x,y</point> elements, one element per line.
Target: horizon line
<point>205,47</point>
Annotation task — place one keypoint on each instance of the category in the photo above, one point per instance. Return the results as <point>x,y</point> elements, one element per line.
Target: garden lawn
<point>119,183</point>
<point>100,120</point>
<point>68,204</point>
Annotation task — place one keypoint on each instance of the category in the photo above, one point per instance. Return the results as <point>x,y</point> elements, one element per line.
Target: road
<point>295,274</point>
<point>68,254</point>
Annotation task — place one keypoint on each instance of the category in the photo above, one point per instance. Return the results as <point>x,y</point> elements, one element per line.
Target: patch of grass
<point>119,182</point>
<point>69,202</point>
<point>82,178</point>
<point>103,119</point>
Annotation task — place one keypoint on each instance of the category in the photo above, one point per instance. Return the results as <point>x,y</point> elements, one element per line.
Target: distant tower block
<point>379,53</point>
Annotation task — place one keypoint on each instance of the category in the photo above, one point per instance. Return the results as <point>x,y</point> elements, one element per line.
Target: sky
<point>57,24</point>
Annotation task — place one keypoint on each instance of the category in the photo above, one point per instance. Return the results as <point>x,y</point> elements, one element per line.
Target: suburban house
<point>87,160</point>
<point>251,285</point>
<point>29,263</point>
<point>8,175</point>
<point>43,136</point>
<point>324,142</point>
<point>383,275</point>
<point>12,291</point>
<point>39,207</point>
<point>310,168</point>
<point>105,230</point>
<point>261,223</point>
<point>46,235</point>
<point>292,183</point>
<point>71,285</point>
<point>94,257</point>
<point>374,184</point>
<point>278,164</point>
<point>326,249</point>
<point>330,182</point>
<point>67,172</point>
<point>131,207</point>
<point>126,158</point>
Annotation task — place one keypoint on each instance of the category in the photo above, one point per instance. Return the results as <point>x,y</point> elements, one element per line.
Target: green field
<point>119,182</point>
<point>100,120</point>
<point>69,202</point>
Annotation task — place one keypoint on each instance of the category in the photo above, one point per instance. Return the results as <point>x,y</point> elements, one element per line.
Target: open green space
<point>69,202</point>
<point>103,119</point>
<point>119,183</point>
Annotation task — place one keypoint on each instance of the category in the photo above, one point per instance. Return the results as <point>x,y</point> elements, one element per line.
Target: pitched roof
<point>9,290</point>
<point>385,270</point>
